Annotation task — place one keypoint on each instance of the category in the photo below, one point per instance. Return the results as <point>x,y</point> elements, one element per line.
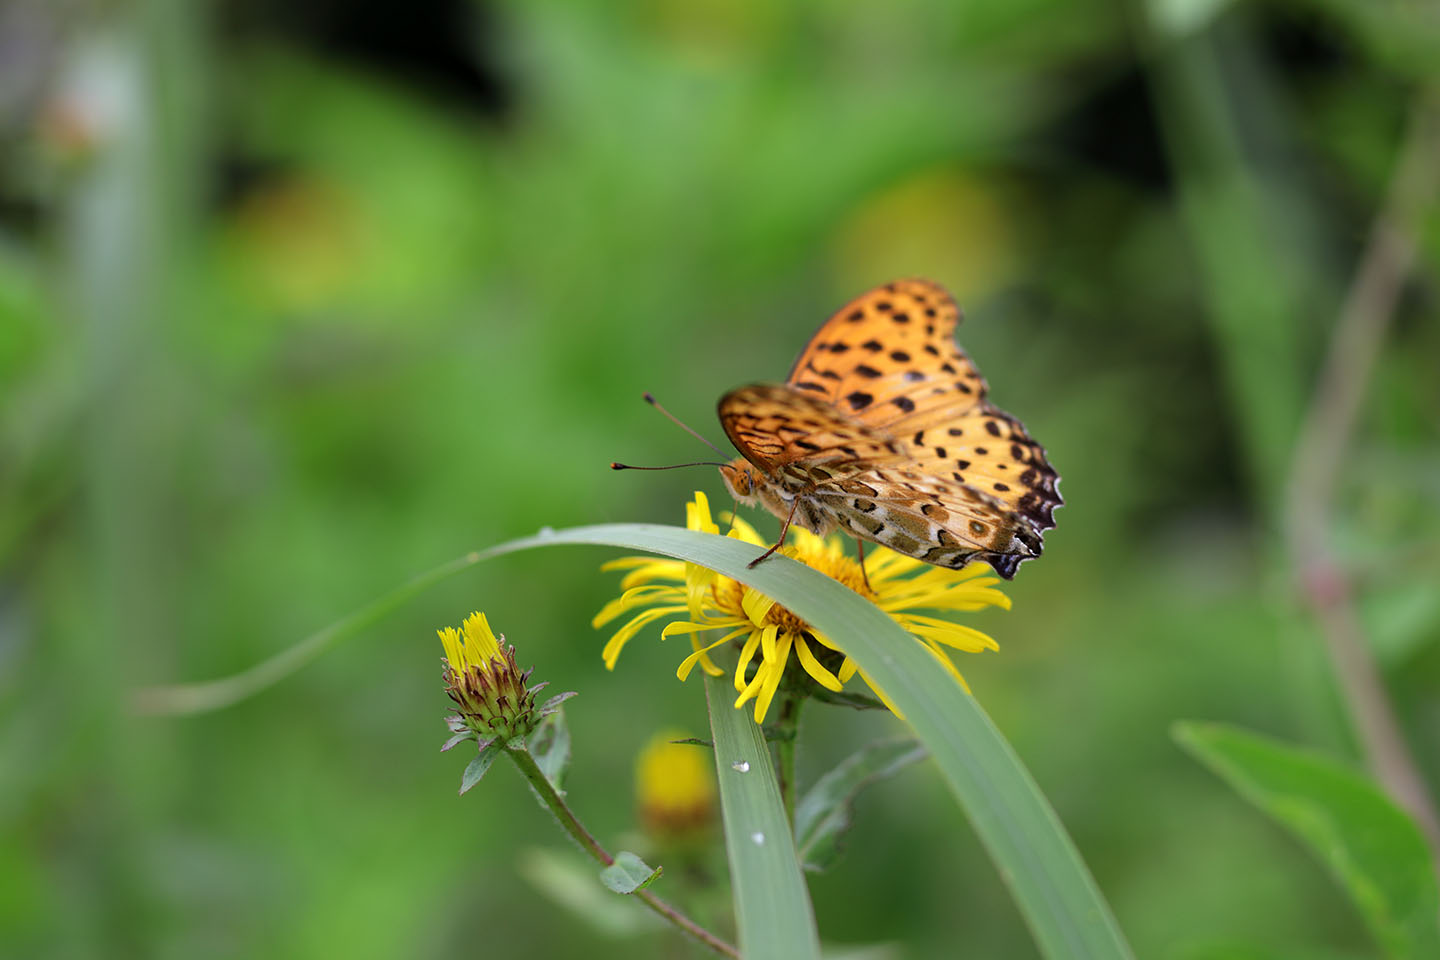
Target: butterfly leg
<point>860,548</point>
<point>784,529</point>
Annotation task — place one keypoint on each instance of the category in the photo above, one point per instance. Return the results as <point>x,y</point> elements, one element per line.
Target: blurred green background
<point>299,299</point>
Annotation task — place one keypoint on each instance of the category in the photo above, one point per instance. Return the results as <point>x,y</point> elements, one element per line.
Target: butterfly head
<point>742,480</point>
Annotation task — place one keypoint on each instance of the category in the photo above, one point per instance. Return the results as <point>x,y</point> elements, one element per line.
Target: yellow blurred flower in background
<point>674,787</point>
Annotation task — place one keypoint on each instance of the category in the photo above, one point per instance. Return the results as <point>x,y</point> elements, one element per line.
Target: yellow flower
<point>768,631</point>
<point>674,786</point>
<point>473,645</point>
<point>488,688</point>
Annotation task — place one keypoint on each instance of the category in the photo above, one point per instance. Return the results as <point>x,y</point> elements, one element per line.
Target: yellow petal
<point>772,680</point>
<point>945,662</point>
<point>767,642</point>
<point>951,634</point>
<point>697,514</point>
<point>706,663</point>
<point>689,662</point>
<point>747,653</point>
<point>881,694</point>
<point>634,597</point>
<point>673,570</point>
<point>752,688</point>
<point>617,643</point>
<point>626,563</point>
<point>682,626</point>
<point>741,530</point>
<point>813,667</point>
<point>756,605</point>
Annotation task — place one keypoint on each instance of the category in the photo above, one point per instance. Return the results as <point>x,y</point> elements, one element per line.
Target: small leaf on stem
<point>550,746</point>
<point>479,766</point>
<point>629,874</point>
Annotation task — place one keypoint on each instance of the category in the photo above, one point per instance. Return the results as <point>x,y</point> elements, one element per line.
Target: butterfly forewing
<point>891,353</point>
<point>774,425</point>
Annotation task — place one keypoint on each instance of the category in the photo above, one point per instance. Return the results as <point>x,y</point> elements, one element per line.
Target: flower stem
<point>787,724</point>
<point>530,770</point>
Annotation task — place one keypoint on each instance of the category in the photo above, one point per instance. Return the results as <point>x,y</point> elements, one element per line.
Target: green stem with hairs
<point>547,793</point>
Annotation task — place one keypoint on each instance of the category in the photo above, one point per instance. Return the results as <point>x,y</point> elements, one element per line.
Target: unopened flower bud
<point>489,689</point>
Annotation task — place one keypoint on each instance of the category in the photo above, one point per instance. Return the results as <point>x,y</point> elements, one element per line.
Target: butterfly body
<point>883,430</point>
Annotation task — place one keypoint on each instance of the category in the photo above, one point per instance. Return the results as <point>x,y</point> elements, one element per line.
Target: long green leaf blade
<point>772,905</point>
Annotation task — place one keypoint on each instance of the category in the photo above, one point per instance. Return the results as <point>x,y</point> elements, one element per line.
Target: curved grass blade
<point>190,698</point>
<point>1052,887</point>
<point>773,914</point>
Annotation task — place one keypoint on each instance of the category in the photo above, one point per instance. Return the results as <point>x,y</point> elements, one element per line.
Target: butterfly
<point>883,429</point>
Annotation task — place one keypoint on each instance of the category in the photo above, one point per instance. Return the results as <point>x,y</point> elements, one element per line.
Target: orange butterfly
<point>882,428</point>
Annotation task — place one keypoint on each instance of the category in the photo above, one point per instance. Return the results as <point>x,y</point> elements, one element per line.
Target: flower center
<point>728,593</point>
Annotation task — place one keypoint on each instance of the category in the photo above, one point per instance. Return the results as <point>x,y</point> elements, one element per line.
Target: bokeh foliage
<point>299,299</point>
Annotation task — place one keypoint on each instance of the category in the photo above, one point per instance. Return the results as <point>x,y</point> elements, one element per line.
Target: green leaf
<point>570,883</point>
<point>628,874</point>
<point>1035,857</point>
<point>1371,846</point>
<point>773,915</point>
<point>550,746</point>
<point>478,767</point>
<point>828,809</point>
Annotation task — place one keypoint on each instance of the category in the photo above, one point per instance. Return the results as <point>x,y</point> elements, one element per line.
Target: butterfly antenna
<point>673,466</point>
<point>650,399</point>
